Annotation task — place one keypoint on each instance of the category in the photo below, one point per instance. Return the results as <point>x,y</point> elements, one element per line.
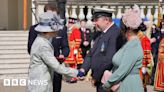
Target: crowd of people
<point>133,53</point>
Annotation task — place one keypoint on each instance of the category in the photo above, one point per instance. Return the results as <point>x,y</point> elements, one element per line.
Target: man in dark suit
<point>60,44</point>
<point>86,37</point>
<point>155,40</point>
<point>31,37</point>
<point>100,56</point>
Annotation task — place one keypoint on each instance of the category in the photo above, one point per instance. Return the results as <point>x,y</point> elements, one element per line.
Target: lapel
<point>103,35</point>
<point>82,34</point>
<point>96,44</point>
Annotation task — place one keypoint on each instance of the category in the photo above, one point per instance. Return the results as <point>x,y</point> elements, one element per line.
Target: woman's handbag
<point>106,76</point>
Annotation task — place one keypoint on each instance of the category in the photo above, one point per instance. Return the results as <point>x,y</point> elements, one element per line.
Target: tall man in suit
<point>86,37</point>
<point>100,56</point>
<point>60,44</point>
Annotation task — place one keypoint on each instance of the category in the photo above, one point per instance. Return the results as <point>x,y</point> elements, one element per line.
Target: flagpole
<point>24,14</point>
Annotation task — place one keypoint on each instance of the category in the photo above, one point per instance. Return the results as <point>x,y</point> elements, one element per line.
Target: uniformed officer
<point>105,46</point>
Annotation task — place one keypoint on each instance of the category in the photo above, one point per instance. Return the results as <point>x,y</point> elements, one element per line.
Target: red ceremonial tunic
<point>159,76</point>
<point>74,41</point>
<point>147,59</point>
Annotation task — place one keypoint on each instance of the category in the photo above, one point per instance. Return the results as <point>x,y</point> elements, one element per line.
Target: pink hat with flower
<point>131,18</point>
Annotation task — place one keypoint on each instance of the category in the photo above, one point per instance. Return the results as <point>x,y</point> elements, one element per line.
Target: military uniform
<point>159,75</point>
<point>74,39</point>
<point>147,61</point>
<point>100,56</point>
<point>105,46</point>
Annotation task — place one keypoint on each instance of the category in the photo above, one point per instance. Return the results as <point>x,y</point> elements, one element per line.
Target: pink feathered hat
<point>131,18</point>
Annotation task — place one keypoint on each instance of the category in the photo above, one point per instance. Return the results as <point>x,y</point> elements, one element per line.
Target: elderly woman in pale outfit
<point>42,58</point>
<point>128,60</point>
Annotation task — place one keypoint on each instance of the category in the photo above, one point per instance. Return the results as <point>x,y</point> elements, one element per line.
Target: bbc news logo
<point>23,82</point>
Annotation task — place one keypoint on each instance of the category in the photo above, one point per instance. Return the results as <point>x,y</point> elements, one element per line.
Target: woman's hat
<point>49,22</point>
<point>131,18</point>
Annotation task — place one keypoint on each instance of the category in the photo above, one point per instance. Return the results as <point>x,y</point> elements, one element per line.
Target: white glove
<point>144,70</point>
<point>75,51</point>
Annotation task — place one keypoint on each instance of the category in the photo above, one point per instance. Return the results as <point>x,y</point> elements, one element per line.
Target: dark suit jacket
<point>88,35</point>
<point>95,35</point>
<point>88,38</point>
<point>157,35</point>
<point>100,56</point>
<point>31,37</point>
<point>59,43</point>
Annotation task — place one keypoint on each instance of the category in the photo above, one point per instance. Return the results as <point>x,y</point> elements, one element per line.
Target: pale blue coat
<point>42,64</point>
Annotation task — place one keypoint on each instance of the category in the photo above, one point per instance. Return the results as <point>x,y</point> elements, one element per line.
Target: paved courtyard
<point>81,86</point>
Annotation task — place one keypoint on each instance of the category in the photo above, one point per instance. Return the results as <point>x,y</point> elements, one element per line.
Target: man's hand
<point>152,40</point>
<point>85,43</point>
<point>80,74</point>
<point>82,70</point>
<point>75,51</point>
<point>144,70</point>
<point>61,56</point>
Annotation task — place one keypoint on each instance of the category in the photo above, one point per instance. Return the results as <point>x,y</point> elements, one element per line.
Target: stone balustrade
<point>83,9</point>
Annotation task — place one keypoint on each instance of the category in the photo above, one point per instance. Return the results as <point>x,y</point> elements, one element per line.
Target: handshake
<point>81,74</point>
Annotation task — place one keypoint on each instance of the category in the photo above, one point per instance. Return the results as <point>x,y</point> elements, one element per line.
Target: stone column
<point>149,12</point>
<point>67,13</point>
<point>81,13</point>
<point>142,12</point>
<point>113,15</point>
<point>127,7</point>
<point>74,14</point>
<point>33,9</point>
<point>156,15</point>
<point>119,14</point>
<point>89,17</point>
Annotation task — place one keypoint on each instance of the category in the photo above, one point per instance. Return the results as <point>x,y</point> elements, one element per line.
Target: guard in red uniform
<point>147,59</point>
<point>74,58</point>
<point>159,75</point>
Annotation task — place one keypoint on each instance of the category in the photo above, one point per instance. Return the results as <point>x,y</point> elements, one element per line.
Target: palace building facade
<point>19,14</point>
